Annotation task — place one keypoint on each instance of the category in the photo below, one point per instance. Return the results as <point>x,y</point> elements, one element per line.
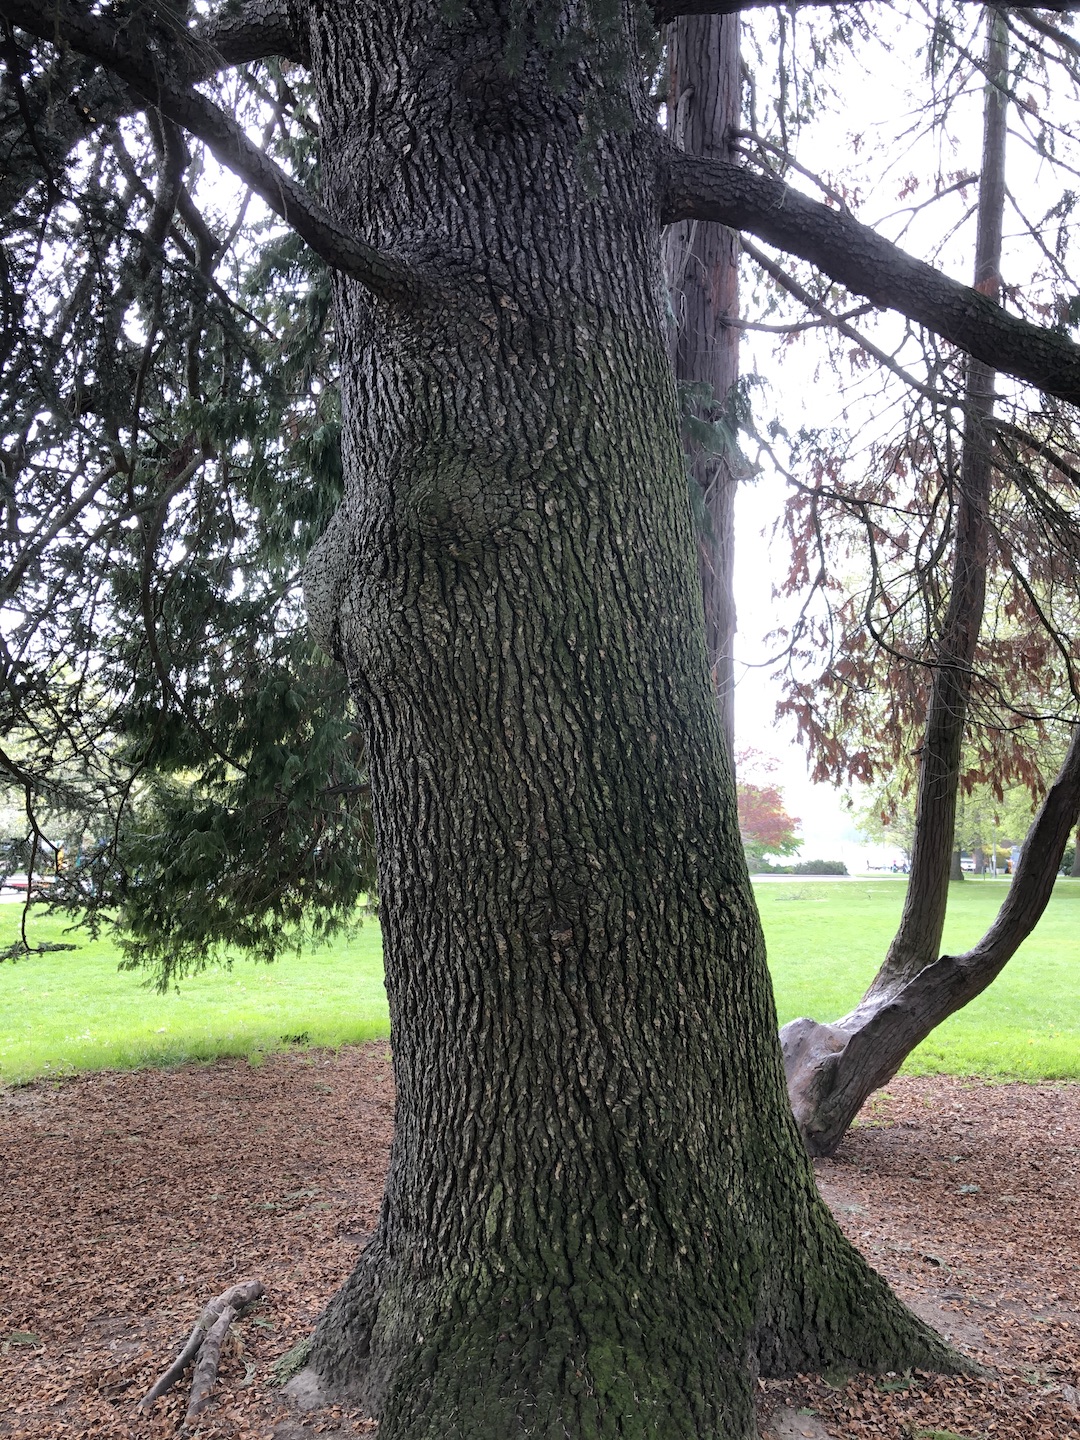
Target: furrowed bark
<point>702,267</point>
<point>598,1219</point>
<point>818,1072</point>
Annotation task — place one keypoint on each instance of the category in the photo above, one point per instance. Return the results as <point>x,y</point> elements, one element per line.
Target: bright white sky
<point>882,95</point>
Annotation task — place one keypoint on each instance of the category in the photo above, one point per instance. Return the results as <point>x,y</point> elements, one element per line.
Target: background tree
<point>946,488</point>
<point>598,1217</point>
<point>764,824</point>
<point>704,92</point>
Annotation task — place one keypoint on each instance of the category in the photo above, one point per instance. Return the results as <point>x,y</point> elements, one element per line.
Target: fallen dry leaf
<point>128,1200</point>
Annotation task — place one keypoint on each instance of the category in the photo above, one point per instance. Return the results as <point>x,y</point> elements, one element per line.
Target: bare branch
<point>841,324</point>
<point>667,10</point>
<point>143,72</point>
<point>867,264</point>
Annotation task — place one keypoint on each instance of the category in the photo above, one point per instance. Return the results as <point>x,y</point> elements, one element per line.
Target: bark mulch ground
<point>128,1200</point>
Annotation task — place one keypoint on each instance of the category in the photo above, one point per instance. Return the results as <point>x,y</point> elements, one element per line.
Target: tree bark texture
<point>818,1071</point>
<point>599,1219</point>
<point>701,262</point>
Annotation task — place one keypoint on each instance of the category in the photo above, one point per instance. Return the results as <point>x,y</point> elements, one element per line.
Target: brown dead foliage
<point>128,1200</point>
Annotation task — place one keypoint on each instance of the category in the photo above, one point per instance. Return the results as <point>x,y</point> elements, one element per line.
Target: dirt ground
<point>127,1200</point>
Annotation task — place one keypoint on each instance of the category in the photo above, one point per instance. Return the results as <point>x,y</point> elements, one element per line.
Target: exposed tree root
<point>203,1347</point>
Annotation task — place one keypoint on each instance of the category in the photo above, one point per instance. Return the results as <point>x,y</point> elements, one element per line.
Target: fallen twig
<point>205,1342</point>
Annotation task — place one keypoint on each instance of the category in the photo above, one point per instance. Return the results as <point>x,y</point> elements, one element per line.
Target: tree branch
<point>144,73</point>
<point>868,264</point>
<point>251,31</point>
<point>73,95</point>
<point>667,10</point>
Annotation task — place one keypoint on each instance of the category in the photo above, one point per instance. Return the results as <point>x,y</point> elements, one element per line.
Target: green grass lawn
<point>73,1010</point>
<point>826,939</point>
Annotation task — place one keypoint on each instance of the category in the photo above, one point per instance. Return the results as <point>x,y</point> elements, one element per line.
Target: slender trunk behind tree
<point>1075,871</point>
<point>935,858</point>
<point>831,1069</point>
<point>598,1220</point>
<point>702,267</point>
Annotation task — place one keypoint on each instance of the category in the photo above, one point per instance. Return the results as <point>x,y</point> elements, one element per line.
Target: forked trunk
<point>831,1069</point>
<point>598,1219</point>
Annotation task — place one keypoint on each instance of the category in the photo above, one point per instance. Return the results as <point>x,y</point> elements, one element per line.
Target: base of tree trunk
<point>498,1359</point>
<point>832,1069</point>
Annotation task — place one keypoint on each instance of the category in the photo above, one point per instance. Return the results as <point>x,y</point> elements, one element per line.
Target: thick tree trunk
<point>701,262</point>
<point>825,1062</point>
<point>598,1219</point>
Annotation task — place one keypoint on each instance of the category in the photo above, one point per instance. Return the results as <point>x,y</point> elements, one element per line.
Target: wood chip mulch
<point>129,1200</point>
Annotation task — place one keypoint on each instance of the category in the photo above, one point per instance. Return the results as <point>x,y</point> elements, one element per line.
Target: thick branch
<point>251,31</point>
<point>868,264</point>
<point>667,10</point>
<point>143,73</point>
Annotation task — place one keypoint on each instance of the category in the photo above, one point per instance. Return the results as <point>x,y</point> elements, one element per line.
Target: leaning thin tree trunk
<point>865,1049</point>
<point>1075,871</point>
<point>816,1070</point>
<point>701,263</point>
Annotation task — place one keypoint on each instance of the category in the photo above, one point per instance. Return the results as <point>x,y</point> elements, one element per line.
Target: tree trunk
<point>598,1217</point>
<point>980,860</point>
<point>1076,855</point>
<point>701,262</point>
<point>849,1060</point>
<point>824,1061</point>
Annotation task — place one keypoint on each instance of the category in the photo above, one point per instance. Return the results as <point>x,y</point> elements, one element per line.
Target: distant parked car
<point>19,882</point>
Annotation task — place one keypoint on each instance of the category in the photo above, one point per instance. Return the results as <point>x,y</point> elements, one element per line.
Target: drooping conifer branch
<point>866,263</point>
<point>237,35</point>
<point>143,71</point>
